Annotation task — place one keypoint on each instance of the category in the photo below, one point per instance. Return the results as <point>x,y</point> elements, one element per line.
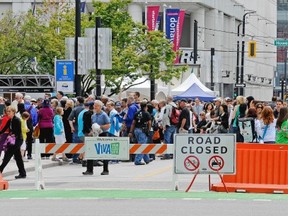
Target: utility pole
<point>243,51</point>
<point>237,60</point>
<point>212,66</point>
<point>152,85</point>
<point>77,80</point>
<point>285,72</point>
<point>98,71</point>
<point>195,50</point>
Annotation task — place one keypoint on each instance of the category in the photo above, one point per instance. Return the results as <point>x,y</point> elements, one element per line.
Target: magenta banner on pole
<point>178,34</point>
<point>152,17</point>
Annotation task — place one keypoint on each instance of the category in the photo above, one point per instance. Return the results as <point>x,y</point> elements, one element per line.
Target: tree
<point>136,52</point>
<point>42,35</point>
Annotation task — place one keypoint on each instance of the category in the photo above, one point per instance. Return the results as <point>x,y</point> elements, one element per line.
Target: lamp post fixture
<point>243,50</point>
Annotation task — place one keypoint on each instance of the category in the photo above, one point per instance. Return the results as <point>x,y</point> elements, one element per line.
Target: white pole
<point>39,182</point>
<point>164,19</point>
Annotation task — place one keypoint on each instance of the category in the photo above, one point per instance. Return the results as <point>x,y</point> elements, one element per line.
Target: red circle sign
<point>191,163</point>
<point>216,163</point>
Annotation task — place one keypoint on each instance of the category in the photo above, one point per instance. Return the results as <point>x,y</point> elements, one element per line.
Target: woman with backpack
<point>265,127</point>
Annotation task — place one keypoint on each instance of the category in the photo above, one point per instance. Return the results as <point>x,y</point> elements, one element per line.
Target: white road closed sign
<point>107,148</point>
<point>208,153</point>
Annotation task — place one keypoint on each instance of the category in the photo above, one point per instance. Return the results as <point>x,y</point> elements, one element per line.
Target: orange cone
<point>3,183</point>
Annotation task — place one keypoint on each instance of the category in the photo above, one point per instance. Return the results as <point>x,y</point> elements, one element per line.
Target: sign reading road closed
<point>208,153</point>
<point>107,148</point>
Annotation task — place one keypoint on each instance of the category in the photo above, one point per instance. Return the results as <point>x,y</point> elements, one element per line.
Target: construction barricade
<point>100,148</point>
<point>260,168</point>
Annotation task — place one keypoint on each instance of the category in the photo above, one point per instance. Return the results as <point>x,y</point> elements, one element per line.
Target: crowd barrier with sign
<point>260,168</point>
<point>113,148</point>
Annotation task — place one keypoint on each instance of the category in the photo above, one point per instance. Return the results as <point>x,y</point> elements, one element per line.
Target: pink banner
<point>178,34</point>
<point>152,17</point>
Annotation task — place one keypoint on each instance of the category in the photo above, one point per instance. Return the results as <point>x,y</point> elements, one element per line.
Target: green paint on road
<point>133,194</point>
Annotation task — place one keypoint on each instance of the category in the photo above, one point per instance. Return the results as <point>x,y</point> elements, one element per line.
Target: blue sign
<point>172,17</point>
<point>64,73</point>
<point>64,70</point>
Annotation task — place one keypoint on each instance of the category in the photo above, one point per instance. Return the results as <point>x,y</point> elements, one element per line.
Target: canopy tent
<point>188,83</point>
<point>193,92</point>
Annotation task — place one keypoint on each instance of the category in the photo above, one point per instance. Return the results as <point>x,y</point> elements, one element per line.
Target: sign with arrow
<point>240,85</point>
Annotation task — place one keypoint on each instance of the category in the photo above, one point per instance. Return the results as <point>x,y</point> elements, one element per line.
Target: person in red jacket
<point>13,148</point>
<point>5,118</point>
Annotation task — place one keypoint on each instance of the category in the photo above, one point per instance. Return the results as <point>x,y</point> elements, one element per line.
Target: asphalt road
<point>129,190</point>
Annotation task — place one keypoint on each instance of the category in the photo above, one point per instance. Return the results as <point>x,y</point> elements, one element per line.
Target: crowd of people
<point>61,120</point>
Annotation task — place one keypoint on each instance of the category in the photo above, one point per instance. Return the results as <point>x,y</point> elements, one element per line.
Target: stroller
<point>210,128</point>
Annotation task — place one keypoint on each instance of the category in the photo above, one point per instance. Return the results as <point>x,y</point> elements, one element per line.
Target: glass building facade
<point>282,33</point>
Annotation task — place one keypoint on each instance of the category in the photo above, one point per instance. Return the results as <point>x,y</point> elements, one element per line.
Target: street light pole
<point>77,80</point>
<point>243,51</point>
<point>237,61</point>
<point>285,72</point>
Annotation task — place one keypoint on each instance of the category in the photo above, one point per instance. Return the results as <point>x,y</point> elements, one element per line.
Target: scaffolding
<point>28,83</point>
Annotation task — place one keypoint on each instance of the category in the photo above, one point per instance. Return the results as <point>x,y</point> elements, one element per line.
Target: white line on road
<point>157,198</point>
<point>226,199</point>
<point>194,199</point>
<point>89,198</point>
<point>19,198</point>
<point>262,200</point>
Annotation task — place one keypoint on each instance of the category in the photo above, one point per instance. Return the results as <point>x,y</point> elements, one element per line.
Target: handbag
<point>10,141</point>
<point>156,135</point>
<point>36,132</point>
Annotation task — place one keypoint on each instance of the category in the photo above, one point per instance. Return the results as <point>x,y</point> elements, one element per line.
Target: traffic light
<point>252,49</point>
<point>235,93</point>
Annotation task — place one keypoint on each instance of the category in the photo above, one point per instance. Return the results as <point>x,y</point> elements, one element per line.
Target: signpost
<point>206,152</point>
<point>240,85</point>
<point>64,73</point>
<point>281,42</point>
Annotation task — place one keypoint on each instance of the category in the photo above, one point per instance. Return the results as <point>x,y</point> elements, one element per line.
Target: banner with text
<point>152,17</point>
<point>178,34</point>
<point>172,16</point>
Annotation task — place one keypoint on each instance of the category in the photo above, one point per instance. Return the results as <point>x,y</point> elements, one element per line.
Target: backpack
<point>175,114</point>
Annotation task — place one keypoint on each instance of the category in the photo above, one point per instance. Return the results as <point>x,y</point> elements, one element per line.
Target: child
<point>24,129</point>
<point>59,132</point>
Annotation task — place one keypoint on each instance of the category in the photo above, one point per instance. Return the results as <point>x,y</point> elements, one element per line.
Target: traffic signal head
<point>252,49</point>
<point>235,93</point>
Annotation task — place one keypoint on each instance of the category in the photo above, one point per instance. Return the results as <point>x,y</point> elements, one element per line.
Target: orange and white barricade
<point>47,148</point>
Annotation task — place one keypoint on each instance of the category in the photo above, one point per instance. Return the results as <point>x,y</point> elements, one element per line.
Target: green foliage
<point>136,53</point>
<point>41,35</point>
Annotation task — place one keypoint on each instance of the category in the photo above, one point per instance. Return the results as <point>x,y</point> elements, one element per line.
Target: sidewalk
<point>11,169</point>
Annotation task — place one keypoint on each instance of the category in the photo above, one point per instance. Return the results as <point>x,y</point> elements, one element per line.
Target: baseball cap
<point>118,104</point>
<point>33,100</point>
<point>90,103</point>
<point>228,99</point>
<point>183,100</point>
<point>217,99</point>
<point>27,98</point>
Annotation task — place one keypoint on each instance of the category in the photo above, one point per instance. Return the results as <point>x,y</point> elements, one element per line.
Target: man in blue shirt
<point>102,119</point>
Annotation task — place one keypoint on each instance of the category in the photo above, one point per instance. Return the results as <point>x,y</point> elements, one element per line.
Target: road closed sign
<point>206,153</point>
<point>107,148</point>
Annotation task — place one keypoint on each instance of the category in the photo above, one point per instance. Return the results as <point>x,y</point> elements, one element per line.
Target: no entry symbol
<point>216,163</point>
<point>191,163</point>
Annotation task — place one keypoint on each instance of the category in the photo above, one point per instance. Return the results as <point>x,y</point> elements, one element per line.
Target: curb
<point>29,169</point>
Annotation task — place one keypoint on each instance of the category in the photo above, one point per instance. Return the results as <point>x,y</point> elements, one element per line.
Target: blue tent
<point>193,92</point>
